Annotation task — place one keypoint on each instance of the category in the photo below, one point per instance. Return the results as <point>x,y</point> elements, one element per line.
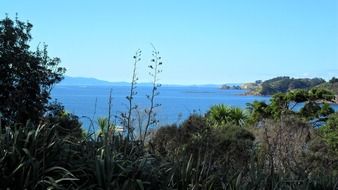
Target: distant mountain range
<point>86,81</point>
<point>83,81</point>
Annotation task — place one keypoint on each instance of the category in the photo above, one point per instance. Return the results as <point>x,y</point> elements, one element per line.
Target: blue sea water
<point>177,102</point>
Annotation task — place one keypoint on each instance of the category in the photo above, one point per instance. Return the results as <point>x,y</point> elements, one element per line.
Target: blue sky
<point>202,42</point>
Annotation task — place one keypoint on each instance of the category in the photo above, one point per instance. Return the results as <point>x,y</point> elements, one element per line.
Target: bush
<point>219,115</point>
<point>330,132</point>
<point>66,124</point>
<point>32,158</point>
<point>202,156</point>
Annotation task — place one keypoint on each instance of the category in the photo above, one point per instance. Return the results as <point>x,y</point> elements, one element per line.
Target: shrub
<point>219,115</point>
<point>31,158</point>
<point>330,132</point>
<point>66,124</point>
<point>201,156</point>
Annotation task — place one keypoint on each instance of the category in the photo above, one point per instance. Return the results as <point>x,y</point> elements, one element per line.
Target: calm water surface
<point>176,102</point>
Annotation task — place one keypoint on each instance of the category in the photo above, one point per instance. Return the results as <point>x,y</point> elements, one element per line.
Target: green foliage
<point>330,132</point>
<point>315,106</point>
<point>298,96</point>
<point>332,85</point>
<point>168,140</point>
<point>27,76</point>
<point>162,142</point>
<point>30,159</point>
<point>219,115</point>
<point>193,155</point>
<point>284,84</point>
<point>279,105</point>
<point>320,94</point>
<point>326,110</point>
<point>258,111</point>
<point>66,124</point>
<point>202,156</point>
<point>310,110</point>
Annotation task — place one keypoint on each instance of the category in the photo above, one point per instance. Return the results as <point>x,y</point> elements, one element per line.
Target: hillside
<point>83,81</point>
<point>284,84</point>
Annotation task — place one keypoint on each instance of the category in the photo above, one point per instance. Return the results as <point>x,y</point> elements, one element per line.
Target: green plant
<point>219,115</point>
<point>258,111</point>
<point>66,124</point>
<point>330,132</point>
<point>30,159</point>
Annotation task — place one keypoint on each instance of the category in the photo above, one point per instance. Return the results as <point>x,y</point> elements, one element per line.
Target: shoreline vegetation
<point>285,84</point>
<point>268,145</point>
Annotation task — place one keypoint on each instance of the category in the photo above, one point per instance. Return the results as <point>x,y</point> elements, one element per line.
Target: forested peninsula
<point>285,84</point>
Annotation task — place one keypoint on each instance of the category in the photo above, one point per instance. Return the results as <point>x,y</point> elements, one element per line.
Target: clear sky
<point>202,42</point>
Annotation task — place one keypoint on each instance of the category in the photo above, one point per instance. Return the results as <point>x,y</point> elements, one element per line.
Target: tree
<point>26,76</point>
<point>311,104</point>
<point>258,110</point>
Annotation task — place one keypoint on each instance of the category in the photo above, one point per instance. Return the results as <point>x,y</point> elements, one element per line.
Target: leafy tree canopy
<point>312,105</point>
<point>26,76</point>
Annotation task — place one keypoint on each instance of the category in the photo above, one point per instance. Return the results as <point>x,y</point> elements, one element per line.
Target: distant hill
<point>284,84</point>
<point>83,81</point>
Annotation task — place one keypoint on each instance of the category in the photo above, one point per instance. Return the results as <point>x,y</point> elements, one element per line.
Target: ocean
<point>176,102</point>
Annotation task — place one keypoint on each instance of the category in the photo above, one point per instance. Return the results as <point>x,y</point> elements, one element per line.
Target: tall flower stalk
<point>156,63</point>
<point>130,97</point>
